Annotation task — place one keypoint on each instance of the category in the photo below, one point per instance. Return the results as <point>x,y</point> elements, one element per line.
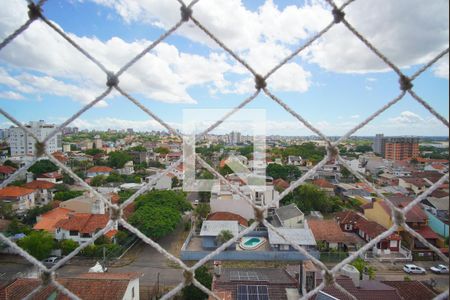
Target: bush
<point>192,292</point>
<point>67,246</point>
<point>38,243</point>
<point>64,196</point>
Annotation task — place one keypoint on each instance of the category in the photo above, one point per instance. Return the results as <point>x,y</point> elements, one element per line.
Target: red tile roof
<point>54,175</point>
<point>281,183</point>
<point>323,183</point>
<point>427,233</point>
<point>40,184</point>
<point>7,170</point>
<point>373,229</point>
<point>227,216</point>
<point>347,217</point>
<point>412,290</point>
<point>14,192</point>
<point>84,223</point>
<point>327,230</point>
<point>100,169</point>
<point>415,215</point>
<point>18,289</point>
<point>49,220</point>
<point>418,182</point>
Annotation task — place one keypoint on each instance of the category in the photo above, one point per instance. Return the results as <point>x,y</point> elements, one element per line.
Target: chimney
<point>30,177</point>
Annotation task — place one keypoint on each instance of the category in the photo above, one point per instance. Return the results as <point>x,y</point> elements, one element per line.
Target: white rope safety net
<point>35,14</point>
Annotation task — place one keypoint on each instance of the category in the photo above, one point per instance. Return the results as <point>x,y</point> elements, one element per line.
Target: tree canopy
<point>118,159</point>
<point>192,292</point>
<point>288,173</point>
<point>309,198</point>
<point>38,243</point>
<point>43,166</point>
<point>306,151</point>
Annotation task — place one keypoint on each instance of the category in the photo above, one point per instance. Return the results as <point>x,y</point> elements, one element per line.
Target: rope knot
<point>332,151</point>
<point>260,82</point>
<point>40,149</point>
<point>115,213</point>
<point>34,11</point>
<point>259,215</point>
<point>188,277</point>
<point>328,278</point>
<point>405,83</point>
<point>46,277</point>
<point>186,13</point>
<point>399,217</point>
<point>338,15</point>
<point>112,80</point>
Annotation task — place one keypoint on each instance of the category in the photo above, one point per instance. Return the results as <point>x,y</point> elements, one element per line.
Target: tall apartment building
<point>378,146</point>
<point>23,144</point>
<point>234,138</point>
<point>401,148</point>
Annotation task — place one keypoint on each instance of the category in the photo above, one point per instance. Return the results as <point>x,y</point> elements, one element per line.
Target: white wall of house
<point>62,234</point>
<point>94,174</point>
<point>297,222</point>
<point>132,292</point>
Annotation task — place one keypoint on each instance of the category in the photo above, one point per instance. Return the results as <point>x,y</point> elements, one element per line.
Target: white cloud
<point>409,32</point>
<point>406,118</point>
<point>10,95</point>
<point>441,68</point>
<point>355,117</point>
<point>115,123</point>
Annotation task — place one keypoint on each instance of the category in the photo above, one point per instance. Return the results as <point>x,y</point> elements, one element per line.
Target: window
<point>394,244</point>
<point>73,233</point>
<point>132,292</point>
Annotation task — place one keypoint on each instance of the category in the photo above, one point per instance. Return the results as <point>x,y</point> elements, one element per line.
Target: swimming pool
<point>251,243</point>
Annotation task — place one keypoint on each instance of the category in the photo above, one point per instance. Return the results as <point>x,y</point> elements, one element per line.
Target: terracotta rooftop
<point>14,192</point>
<point>49,220</point>
<point>427,233</point>
<point>327,230</point>
<point>7,170</point>
<point>416,214</point>
<point>347,217</point>
<point>84,223</point>
<point>40,184</point>
<point>53,175</point>
<point>412,290</point>
<point>419,182</point>
<point>323,183</point>
<point>281,183</point>
<point>373,229</point>
<point>100,169</point>
<point>227,216</point>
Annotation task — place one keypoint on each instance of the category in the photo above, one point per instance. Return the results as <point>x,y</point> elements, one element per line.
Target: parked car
<point>439,269</point>
<point>413,269</point>
<point>50,260</point>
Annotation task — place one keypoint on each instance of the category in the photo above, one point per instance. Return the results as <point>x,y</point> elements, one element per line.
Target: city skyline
<point>166,81</point>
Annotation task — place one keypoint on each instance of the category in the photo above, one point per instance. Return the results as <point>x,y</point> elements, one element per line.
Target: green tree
<point>224,236</point>
<point>6,210</point>
<point>162,150</point>
<point>67,195</point>
<point>67,179</point>
<point>93,152</point>
<point>363,148</point>
<point>202,210</point>
<point>288,173</point>
<point>114,177</point>
<point>43,166</point>
<point>10,164</point>
<point>155,222</point>
<point>32,214</point>
<point>38,243</point>
<point>67,246</point>
<point>364,268</point>
<point>308,198</point>
<point>118,159</point>
<point>190,292</point>
<point>172,199</point>
<point>139,148</point>
<point>16,227</point>
<point>98,180</point>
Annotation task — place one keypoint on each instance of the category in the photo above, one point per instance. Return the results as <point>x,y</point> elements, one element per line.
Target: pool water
<point>252,242</point>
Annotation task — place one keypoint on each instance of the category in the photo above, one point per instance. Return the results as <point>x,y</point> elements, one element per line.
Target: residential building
<point>99,171</point>
<point>234,138</point>
<point>378,144</point>
<point>48,220</point>
<point>211,229</point>
<point>43,189</point>
<point>328,234</point>
<point>401,148</point>
<point>22,199</point>
<point>300,236</point>
<point>325,186</point>
<point>163,183</point>
<point>248,283</point>
<point>437,204</point>
<point>294,160</point>
<point>226,216</point>
<point>289,216</point>
<point>416,185</point>
<point>81,227</point>
<point>53,177</point>
<point>98,143</point>
<point>223,199</point>
<point>6,171</point>
<point>99,286</point>
<point>23,144</point>
<point>128,169</point>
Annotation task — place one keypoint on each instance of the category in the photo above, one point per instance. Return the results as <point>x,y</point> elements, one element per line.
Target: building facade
<point>23,144</point>
<point>401,148</point>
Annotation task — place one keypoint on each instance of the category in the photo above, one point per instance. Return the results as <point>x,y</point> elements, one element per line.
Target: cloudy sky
<point>335,84</point>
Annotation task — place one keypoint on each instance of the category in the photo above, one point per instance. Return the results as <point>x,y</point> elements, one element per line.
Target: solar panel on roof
<point>252,292</point>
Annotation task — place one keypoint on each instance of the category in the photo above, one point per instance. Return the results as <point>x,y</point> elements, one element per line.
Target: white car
<point>413,269</point>
<point>50,261</point>
<point>439,269</point>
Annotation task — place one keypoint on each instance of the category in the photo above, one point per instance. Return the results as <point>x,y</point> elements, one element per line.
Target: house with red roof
<point>22,199</point>
<point>48,220</point>
<point>6,171</point>
<point>416,185</point>
<point>53,177</point>
<point>81,227</point>
<point>44,191</point>
<point>324,185</point>
<point>98,171</point>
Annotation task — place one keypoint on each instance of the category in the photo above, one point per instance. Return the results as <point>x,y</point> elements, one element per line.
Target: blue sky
<point>334,85</point>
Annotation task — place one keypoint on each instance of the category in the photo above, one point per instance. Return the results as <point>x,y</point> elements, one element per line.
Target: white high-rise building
<point>378,144</point>
<point>23,144</point>
<point>234,138</point>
